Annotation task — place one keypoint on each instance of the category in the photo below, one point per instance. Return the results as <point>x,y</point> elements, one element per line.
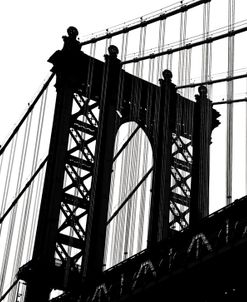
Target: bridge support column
<point>40,271</point>
<point>38,288</point>
<point>201,152</point>
<point>164,109</point>
<point>97,217</point>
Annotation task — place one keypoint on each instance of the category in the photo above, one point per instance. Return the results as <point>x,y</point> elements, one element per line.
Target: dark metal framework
<point>94,99</point>
<point>181,173</point>
<point>206,262</point>
<point>73,215</point>
<point>60,240</point>
<point>79,170</point>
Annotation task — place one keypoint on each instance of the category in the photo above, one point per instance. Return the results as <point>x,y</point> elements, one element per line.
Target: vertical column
<point>164,114</point>
<point>200,166</point>
<point>38,288</point>
<point>230,93</point>
<point>67,67</point>
<point>182,41</point>
<point>97,217</point>
<point>161,43</point>
<point>206,48</point>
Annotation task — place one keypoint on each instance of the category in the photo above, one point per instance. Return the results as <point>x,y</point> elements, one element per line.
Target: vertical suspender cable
<point>135,168</point>
<point>111,228</point>
<point>229,131</point>
<point>112,237</point>
<point>14,211</point>
<point>92,49</point>
<point>205,47</point>
<point>161,43</point>
<point>124,47</point>
<point>209,77</point>
<point>187,70</point>
<point>8,176</point>
<point>108,41</point>
<point>169,61</point>
<point>126,158</point>
<point>181,59</point>
<point>39,187</point>
<point>144,202</point>
<point>142,41</point>
<point>127,224</point>
<point>149,98</point>
<point>134,159</point>
<point>125,173</point>
<point>124,180</point>
<point>36,200</point>
<point>132,205</point>
<point>28,198</point>
<point>116,226</point>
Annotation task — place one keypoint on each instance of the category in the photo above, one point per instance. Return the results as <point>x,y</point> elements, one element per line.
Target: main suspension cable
<point>129,196</point>
<point>30,108</point>
<point>8,177</point>
<point>14,211</point>
<point>23,190</point>
<point>9,290</point>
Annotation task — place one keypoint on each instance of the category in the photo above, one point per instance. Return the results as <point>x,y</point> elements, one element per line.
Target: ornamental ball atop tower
<point>72,32</point>
<point>202,90</point>
<point>167,75</point>
<point>113,51</point>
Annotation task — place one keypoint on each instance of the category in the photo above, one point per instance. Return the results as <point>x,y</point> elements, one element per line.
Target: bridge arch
<point>130,194</point>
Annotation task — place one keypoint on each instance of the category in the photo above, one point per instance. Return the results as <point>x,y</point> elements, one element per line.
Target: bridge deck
<point>206,263</point>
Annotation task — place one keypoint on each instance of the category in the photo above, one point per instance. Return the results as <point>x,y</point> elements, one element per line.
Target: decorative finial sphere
<point>72,31</point>
<point>113,50</point>
<point>202,90</point>
<point>167,75</point>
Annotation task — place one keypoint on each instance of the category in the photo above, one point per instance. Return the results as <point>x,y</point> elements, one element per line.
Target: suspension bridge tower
<point>118,210</point>
<point>179,132</point>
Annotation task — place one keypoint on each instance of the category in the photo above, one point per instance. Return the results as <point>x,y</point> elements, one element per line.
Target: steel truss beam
<point>181,173</point>
<point>77,186</point>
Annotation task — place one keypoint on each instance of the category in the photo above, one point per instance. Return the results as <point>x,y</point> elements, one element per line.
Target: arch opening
<point>130,195</point>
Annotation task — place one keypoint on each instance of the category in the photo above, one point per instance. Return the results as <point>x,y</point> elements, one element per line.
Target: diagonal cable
<point>129,196</point>
<point>23,190</point>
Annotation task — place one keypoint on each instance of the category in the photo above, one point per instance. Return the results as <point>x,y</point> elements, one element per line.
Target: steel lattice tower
<point>101,91</point>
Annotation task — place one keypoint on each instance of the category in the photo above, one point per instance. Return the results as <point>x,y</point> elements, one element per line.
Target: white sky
<point>32,31</point>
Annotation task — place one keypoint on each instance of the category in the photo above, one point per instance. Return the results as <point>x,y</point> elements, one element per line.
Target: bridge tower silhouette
<point>179,132</point>
<point>124,210</point>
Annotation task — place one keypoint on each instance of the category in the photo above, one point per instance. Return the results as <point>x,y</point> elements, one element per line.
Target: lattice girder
<point>77,184</point>
<point>181,173</point>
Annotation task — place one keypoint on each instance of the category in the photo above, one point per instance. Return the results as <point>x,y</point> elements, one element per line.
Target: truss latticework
<point>181,172</point>
<point>77,181</point>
